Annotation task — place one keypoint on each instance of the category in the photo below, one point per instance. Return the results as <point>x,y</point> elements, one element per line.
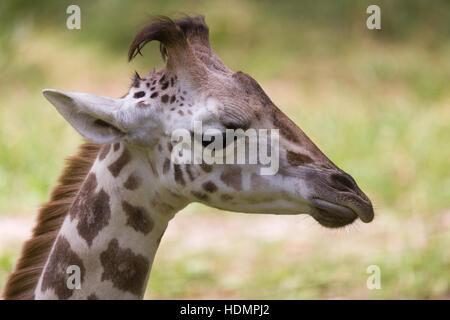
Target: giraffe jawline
<point>332,215</point>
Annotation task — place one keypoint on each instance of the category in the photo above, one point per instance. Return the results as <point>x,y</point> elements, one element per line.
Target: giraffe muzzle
<point>335,215</point>
<point>337,200</point>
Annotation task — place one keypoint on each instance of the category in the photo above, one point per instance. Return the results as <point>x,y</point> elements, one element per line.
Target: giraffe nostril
<point>342,181</point>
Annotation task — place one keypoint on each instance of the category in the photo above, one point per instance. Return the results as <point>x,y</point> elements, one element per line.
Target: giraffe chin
<point>331,215</point>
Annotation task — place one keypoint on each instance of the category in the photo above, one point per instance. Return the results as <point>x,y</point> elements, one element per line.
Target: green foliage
<point>6,265</point>
<point>286,270</point>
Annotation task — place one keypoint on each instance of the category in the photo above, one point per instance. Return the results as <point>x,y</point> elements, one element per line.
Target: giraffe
<point>115,198</point>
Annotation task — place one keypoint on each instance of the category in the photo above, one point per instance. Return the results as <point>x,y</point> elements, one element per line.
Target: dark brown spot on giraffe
<point>232,177</point>
<point>142,104</point>
<point>154,95</point>
<point>164,85</point>
<point>184,92</point>
<point>91,208</point>
<point>116,146</point>
<point>180,112</point>
<point>182,98</point>
<point>139,94</point>
<point>181,104</point>
<point>92,296</point>
<point>164,98</point>
<point>209,186</point>
<point>138,218</point>
<point>148,84</point>
<point>200,195</point>
<point>152,88</point>
<point>172,82</point>
<point>121,162</point>
<point>172,99</point>
<point>162,78</point>
<point>169,146</point>
<point>127,271</point>
<point>55,274</point>
<point>154,82</point>
<point>166,166</point>
<point>178,174</point>
<point>104,150</point>
<point>226,197</point>
<point>297,159</point>
<point>132,182</point>
<point>95,217</point>
<point>206,167</point>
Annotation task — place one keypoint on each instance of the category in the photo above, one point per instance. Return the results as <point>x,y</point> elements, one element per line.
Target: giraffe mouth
<point>332,215</point>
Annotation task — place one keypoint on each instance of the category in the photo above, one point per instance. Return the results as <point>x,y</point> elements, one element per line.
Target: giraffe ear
<point>94,117</point>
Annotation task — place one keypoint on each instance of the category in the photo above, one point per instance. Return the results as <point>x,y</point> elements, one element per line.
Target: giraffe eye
<point>244,125</point>
<point>207,142</point>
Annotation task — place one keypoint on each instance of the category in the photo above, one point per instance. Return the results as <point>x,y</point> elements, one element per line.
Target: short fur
<point>23,281</point>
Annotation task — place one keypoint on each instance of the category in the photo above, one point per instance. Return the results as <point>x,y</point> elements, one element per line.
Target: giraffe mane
<point>22,282</point>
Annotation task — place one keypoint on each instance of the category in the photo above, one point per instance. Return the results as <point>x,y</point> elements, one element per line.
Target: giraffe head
<point>196,87</point>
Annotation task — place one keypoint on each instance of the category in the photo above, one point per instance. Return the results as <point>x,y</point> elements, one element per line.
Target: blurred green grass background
<point>377,102</point>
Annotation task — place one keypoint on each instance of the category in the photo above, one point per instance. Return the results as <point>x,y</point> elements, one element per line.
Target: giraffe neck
<point>112,231</point>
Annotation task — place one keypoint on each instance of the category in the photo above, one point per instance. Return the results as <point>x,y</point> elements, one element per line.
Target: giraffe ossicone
<point>129,187</point>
